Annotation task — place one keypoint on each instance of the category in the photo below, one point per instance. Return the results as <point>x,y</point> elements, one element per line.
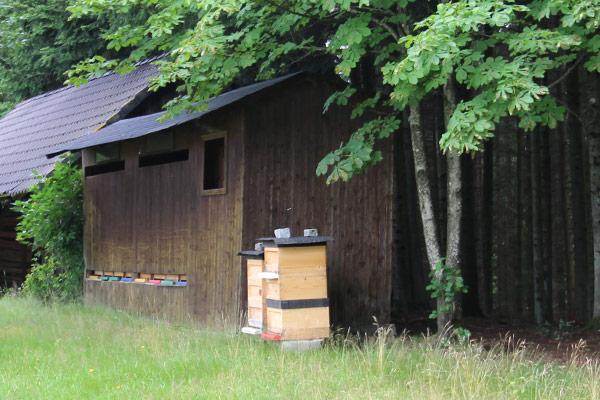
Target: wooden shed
<point>37,125</point>
<point>182,197</point>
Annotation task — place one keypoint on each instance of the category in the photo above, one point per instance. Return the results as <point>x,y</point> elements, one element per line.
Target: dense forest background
<point>39,42</point>
<point>527,249</point>
<point>529,221</point>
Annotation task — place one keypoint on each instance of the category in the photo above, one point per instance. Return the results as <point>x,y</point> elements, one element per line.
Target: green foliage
<point>38,42</point>
<point>357,154</point>
<point>236,38</point>
<point>52,223</point>
<point>462,334</point>
<point>414,47</point>
<point>446,283</point>
<point>47,281</point>
<point>558,333</point>
<point>453,43</point>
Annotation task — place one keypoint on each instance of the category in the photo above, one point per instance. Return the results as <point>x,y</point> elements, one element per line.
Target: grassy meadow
<point>76,352</point>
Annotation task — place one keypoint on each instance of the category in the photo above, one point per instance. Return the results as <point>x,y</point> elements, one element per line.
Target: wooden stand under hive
<point>292,301</point>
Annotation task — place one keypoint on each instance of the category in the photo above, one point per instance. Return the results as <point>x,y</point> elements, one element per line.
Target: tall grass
<point>77,352</point>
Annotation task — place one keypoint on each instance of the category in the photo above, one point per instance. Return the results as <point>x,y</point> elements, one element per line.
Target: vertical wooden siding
<point>286,136</point>
<point>153,219</point>
<point>15,258</point>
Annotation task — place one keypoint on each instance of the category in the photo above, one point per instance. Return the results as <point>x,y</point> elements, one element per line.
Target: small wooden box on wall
<point>291,302</point>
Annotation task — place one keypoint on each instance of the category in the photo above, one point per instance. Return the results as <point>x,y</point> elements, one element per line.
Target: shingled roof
<point>49,120</point>
<point>140,126</point>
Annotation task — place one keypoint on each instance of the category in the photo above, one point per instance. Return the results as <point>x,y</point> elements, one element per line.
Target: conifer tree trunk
<point>558,226</point>
<point>536,231</point>
<point>594,150</point>
<point>483,177</point>
<point>593,138</point>
<point>526,229</point>
<point>578,204</point>
<point>589,98</point>
<point>546,221</point>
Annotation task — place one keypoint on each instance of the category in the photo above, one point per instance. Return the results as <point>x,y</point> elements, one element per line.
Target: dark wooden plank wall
<point>286,136</point>
<point>154,219</point>
<point>15,258</point>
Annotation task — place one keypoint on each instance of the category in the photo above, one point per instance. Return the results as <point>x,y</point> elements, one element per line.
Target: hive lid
<point>295,241</point>
<point>252,253</point>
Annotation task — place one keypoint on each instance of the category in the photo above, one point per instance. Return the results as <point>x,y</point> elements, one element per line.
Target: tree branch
<point>281,6</point>
<point>384,25</point>
<point>556,82</point>
<point>574,114</point>
<point>377,10</point>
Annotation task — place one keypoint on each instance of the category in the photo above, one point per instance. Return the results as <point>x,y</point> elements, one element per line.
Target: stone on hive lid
<point>282,233</point>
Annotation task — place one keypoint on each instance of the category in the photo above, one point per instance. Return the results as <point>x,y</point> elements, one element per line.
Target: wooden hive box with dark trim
<point>295,288</point>
<point>256,300</point>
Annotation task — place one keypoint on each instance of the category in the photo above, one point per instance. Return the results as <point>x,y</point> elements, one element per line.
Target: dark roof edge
<point>284,79</point>
<point>126,108</point>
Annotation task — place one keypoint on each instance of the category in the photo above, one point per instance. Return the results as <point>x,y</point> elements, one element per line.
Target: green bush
<point>52,223</point>
<point>446,283</point>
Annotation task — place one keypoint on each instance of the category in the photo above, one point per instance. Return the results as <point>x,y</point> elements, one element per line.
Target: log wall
<point>15,258</point>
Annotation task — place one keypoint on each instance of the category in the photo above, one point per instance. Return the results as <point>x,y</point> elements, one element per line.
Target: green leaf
<point>461,75</point>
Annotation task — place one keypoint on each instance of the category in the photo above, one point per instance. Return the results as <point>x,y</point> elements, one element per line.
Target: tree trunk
<point>593,138</point>
<point>569,129</point>
<point>525,202</point>
<point>546,223</point>
<point>578,202</point>
<point>483,183</point>
<point>454,202</point>
<point>558,227</point>
<point>426,206</point>
<point>536,231</point>
<point>441,173</point>
<point>513,283</point>
<point>594,150</point>
<point>454,216</point>
<point>418,273</point>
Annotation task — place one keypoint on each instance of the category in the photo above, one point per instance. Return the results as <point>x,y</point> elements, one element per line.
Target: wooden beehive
<point>295,288</point>
<point>255,290</point>
<point>256,299</point>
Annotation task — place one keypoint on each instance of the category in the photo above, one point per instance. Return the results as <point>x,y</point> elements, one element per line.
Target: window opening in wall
<point>215,163</point>
<point>104,168</point>
<point>106,152</point>
<point>164,158</point>
<point>105,159</point>
<point>159,142</point>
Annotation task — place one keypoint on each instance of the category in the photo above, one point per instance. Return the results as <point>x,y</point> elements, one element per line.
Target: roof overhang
<point>141,126</point>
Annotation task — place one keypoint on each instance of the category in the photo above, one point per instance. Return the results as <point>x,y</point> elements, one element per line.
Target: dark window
<point>106,152</point>
<point>215,164</point>
<point>104,168</point>
<point>164,158</point>
<point>159,142</point>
